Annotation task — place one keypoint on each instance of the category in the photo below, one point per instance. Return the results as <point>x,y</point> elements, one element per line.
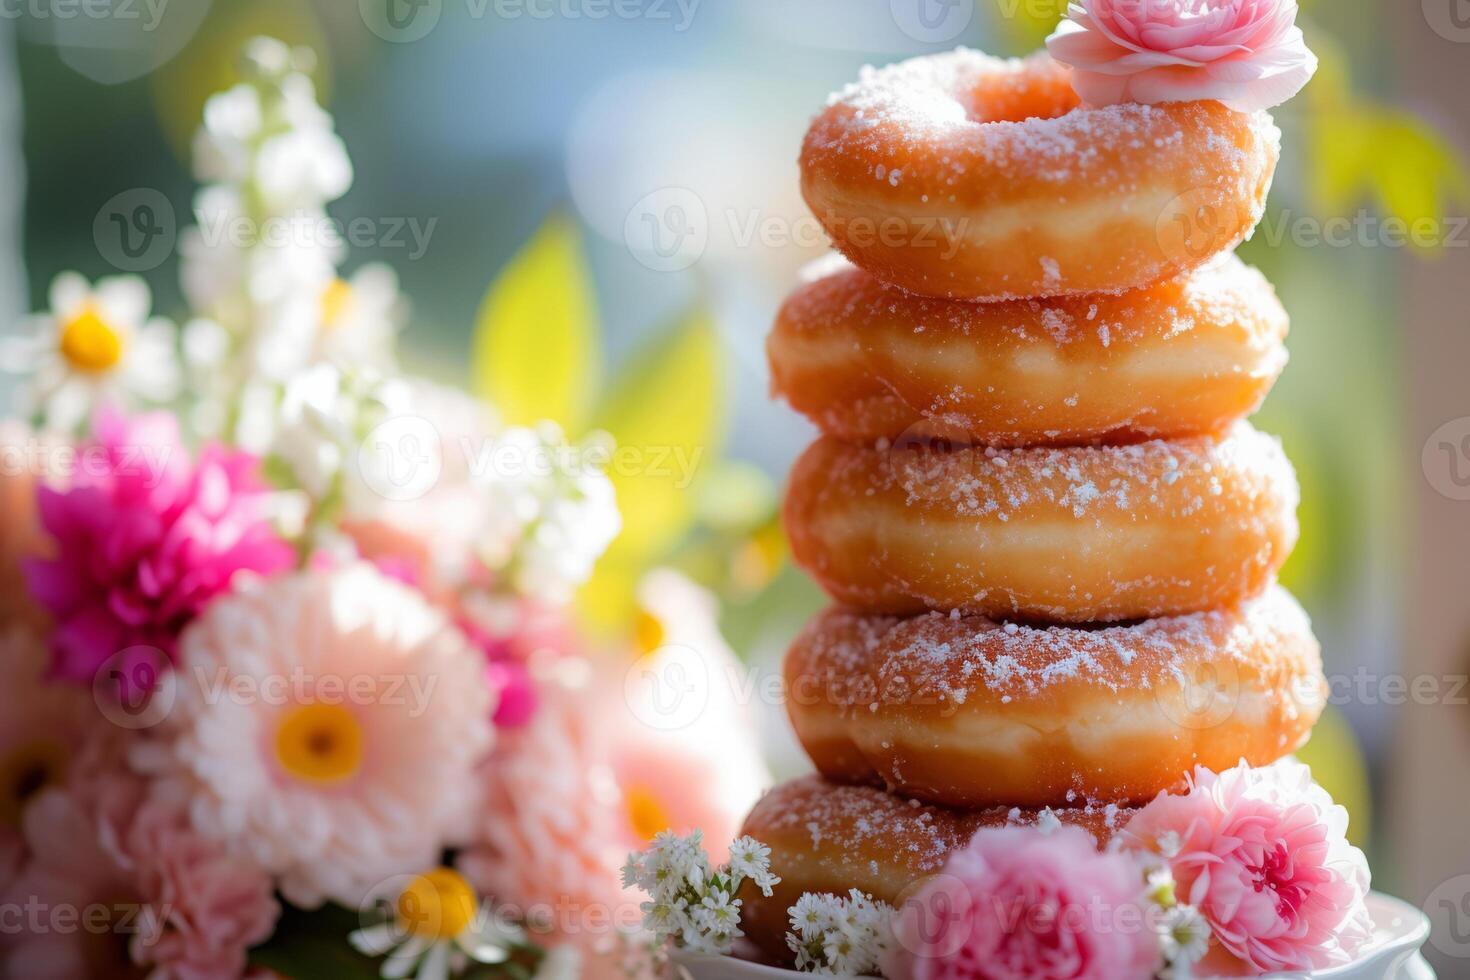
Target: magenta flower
<point>1263,855</point>
<point>1248,54</point>
<point>145,538</point>
<point>1021,904</point>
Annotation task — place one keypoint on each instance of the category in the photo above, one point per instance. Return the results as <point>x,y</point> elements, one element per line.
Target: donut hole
<point>1042,89</point>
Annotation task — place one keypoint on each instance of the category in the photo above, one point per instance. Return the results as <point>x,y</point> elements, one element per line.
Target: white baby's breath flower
<point>751,858</point>
<point>1184,938</point>
<point>693,903</point>
<point>839,936</point>
<point>95,344</point>
<point>812,915</point>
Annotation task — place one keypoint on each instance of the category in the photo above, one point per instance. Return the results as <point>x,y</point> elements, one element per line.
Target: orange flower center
<point>645,812</point>
<point>648,632</point>
<point>89,343</point>
<point>320,743</point>
<point>437,906</point>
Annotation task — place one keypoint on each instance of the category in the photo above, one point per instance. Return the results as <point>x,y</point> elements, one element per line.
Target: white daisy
<point>435,928</point>
<point>95,344</point>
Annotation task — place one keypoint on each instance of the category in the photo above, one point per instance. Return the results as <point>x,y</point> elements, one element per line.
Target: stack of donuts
<point>1050,535</point>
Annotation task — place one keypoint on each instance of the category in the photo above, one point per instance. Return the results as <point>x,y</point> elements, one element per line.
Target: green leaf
<point>1362,151</point>
<point>536,349</point>
<point>314,944</point>
<point>666,413</point>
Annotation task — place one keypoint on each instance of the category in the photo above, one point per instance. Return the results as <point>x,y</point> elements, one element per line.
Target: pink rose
<point>1248,54</point>
<point>1020,904</point>
<point>1263,854</point>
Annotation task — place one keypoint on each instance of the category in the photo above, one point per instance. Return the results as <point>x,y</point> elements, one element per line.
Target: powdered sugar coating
<point>969,659</point>
<point>1186,356</point>
<point>1024,191</point>
<point>1079,534</point>
<point>966,711</point>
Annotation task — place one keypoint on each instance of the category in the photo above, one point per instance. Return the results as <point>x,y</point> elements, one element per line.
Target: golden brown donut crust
<point>968,712</point>
<point>971,177</point>
<point>828,838</point>
<point>1080,534</point>
<point>1186,356</point>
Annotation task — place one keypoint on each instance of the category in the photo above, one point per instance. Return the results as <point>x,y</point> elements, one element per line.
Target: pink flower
<point>1248,54</point>
<point>151,892</point>
<point>144,539</point>
<point>1263,854</point>
<point>551,832</point>
<point>1020,904</point>
<point>328,725</point>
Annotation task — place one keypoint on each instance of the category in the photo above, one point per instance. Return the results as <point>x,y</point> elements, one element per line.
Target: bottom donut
<point>828,838</point>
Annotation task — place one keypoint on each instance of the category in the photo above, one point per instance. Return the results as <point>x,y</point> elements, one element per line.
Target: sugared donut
<point>968,712</point>
<point>1186,356</point>
<point>827,838</point>
<point>1075,534</point>
<point>973,177</point>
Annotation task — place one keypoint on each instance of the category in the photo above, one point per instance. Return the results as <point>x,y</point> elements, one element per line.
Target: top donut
<point>964,176</point>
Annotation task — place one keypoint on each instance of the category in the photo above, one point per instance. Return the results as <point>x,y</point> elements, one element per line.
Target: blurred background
<point>637,159</point>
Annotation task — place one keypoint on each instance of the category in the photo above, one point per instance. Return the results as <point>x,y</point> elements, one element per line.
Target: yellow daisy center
<point>89,343</point>
<point>24,772</point>
<point>336,298</point>
<point>645,812</point>
<point>320,743</point>
<point>648,632</point>
<point>437,906</point>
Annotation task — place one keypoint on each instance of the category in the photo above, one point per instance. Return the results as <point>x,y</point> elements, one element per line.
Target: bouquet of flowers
<point>292,683</point>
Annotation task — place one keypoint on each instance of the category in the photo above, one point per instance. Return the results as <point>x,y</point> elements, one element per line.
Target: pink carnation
<point>1263,854</point>
<point>1021,904</point>
<point>144,539</point>
<point>1248,54</point>
<point>150,892</point>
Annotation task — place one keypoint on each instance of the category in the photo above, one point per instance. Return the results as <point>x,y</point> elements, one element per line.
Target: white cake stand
<point>1399,931</point>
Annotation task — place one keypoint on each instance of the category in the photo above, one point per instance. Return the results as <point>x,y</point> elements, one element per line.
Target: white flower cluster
<point>691,902</point>
<point>838,936</point>
<point>260,266</point>
<point>1183,933</point>
<point>554,504</point>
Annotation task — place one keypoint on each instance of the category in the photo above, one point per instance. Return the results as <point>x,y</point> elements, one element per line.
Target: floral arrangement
<point>294,680</point>
<point>1247,872</point>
